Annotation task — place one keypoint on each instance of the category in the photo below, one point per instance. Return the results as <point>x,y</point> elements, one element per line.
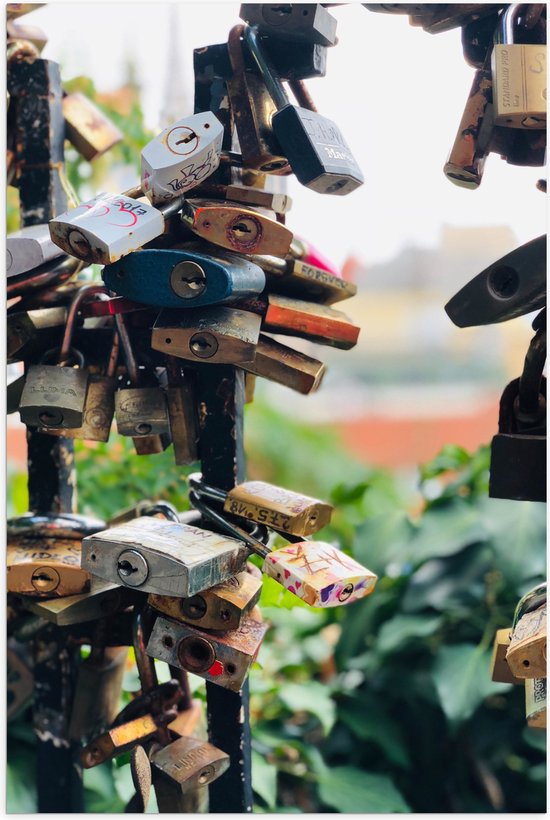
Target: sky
<point>396,92</point>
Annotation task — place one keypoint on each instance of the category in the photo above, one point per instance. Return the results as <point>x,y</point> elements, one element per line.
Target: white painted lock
<point>108,227</point>
<point>28,248</point>
<point>181,157</point>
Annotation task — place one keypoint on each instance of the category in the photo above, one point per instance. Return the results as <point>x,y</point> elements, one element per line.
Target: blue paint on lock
<point>183,278</point>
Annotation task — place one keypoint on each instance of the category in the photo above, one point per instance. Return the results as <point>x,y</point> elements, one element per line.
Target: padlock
<point>184,277</point>
<point>279,509</point>
<point>103,599</point>
<point>118,740</point>
<point>526,655</point>
<point>317,572</point>
<point>214,335</point>
<point>500,671</point>
<point>14,391</point>
<point>28,248</point>
<point>222,607</point>
<point>63,390</point>
<point>23,31</point>
<point>282,364</point>
<point>140,768</point>
<point>302,280</point>
<point>306,320</point>
<point>184,423</point>
<point>181,156</point>
<point>240,229</point>
<point>98,690</point>
<point>28,330</point>
<point>19,678</point>
<point>63,525</point>
<point>304,22</point>
<point>466,160</point>
<point>163,557</point>
<point>512,286</point>
<point>87,128</point>
<point>47,568</point>
<point>519,76</point>
<point>187,763</point>
<point>224,658</point>
<point>109,226</point>
<point>253,109</point>
<point>248,195</point>
<point>316,150</point>
<point>99,407</point>
<point>436,18</point>
<point>535,702</point>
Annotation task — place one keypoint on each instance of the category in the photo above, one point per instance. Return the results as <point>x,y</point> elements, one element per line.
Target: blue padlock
<point>181,278</point>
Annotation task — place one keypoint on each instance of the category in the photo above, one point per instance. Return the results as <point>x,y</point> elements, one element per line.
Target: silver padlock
<point>181,157</point>
<point>28,248</point>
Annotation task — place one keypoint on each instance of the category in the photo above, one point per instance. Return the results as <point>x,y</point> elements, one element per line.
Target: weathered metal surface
<point>163,557</point>
<point>526,655</point>
<point>46,569</point>
<point>118,740</point>
<point>29,248</point>
<point>90,131</point>
<point>535,702</point>
<point>295,277</point>
<point>102,599</point>
<point>190,763</point>
<point>282,364</point>
<point>500,671</point>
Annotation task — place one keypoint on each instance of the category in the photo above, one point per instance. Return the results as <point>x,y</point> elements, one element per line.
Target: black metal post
<point>220,396</point>
<point>36,92</point>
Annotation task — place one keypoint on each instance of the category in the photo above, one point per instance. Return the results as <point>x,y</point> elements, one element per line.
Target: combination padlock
<point>214,335</point>
<point>519,76</point>
<point>28,248</point>
<point>163,557</point>
<point>184,277</point>
<point>109,226</point>
<point>526,654</point>
<point>55,396</point>
<point>222,607</point>
<point>302,22</point>
<point>316,150</point>
<point>240,229</point>
<point>181,157</point>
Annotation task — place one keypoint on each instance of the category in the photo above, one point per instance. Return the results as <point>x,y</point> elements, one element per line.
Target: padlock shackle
<point>168,511</point>
<point>530,379</point>
<point>235,49</point>
<point>83,293</point>
<point>131,364</point>
<point>533,599</point>
<point>231,529</point>
<point>203,489</point>
<point>113,355</point>
<point>504,32</point>
<point>269,76</point>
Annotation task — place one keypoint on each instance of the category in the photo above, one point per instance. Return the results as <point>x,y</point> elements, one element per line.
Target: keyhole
<point>241,227</point>
<point>503,282</point>
<point>125,568</point>
<point>188,138</point>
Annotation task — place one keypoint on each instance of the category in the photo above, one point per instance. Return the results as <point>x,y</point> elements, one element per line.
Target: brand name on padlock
<point>66,391</point>
<point>539,690</point>
<point>324,131</point>
<point>277,520</point>
<point>194,757</point>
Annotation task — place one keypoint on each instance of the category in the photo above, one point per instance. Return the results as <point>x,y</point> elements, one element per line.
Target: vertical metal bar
<point>220,394</point>
<point>39,139</point>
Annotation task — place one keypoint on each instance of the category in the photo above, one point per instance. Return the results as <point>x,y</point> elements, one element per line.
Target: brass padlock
<point>103,599</point>
<point>163,557</point>
<point>535,702</point>
<point>29,248</point>
<point>500,671</point>
<point>277,508</point>
<point>298,278</point>
<point>184,425</point>
<point>90,131</point>
<point>55,396</point>
<point>217,335</point>
<point>222,607</point>
<point>526,655</point>
<point>519,76</point>
<point>187,763</point>
<point>29,328</point>
<point>49,568</point>
<point>118,740</point>
<point>223,658</point>
<point>284,365</point>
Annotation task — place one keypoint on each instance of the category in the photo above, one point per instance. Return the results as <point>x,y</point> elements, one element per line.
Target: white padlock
<point>181,157</point>
<point>28,248</point>
<point>108,227</point>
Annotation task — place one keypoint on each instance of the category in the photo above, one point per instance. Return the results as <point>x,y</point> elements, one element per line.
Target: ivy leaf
<point>462,680</point>
<point>445,530</point>
<point>310,697</point>
<point>401,629</point>
<point>100,793</point>
<point>354,791</point>
<point>264,779</point>
<point>381,539</point>
<point>368,722</point>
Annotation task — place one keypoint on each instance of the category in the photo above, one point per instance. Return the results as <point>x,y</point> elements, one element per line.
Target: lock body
<point>141,412</point>
<point>526,655</point>
<point>302,22</point>
<point>103,599</point>
<point>163,557</point>
<point>46,567</point>
<point>118,740</point>
<point>278,508</point>
<point>519,85</point>
<point>181,156</point>
<point>183,278</point>
<point>535,702</point>
<point>518,467</point>
<point>106,228</point>
<point>190,763</point>
<point>98,412</point>
<point>28,330</point>
<point>282,364</point>
<point>302,280</point>
<point>500,670</point>
<point>54,396</point>
<point>223,659</point>
<point>239,229</point>
<point>217,335</point>
<point>184,425</point>
<point>221,607</point>
<point>319,573</point>
<point>87,128</point>
<point>28,248</point>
